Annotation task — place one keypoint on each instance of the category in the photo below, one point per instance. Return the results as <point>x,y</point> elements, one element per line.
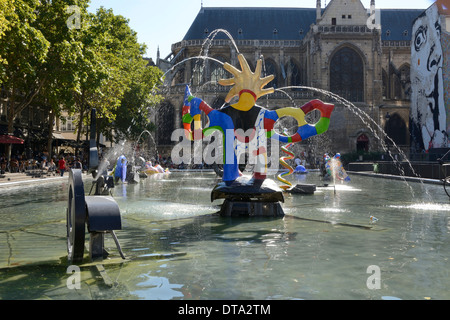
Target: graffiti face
<point>428,114</point>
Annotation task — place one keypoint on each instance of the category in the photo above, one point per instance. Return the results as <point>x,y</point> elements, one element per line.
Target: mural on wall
<point>428,112</point>
<point>445,41</point>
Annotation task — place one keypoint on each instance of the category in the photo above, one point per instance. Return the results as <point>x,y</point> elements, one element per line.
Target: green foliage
<point>114,71</point>
<point>97,64</point>
<point>132,116</point>
<point>7,15</point>
<point>23,49</point>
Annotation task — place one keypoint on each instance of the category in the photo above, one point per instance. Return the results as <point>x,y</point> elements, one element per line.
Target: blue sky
<point>162,23</point>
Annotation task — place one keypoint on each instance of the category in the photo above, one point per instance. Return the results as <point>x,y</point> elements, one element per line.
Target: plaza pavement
<point>21,179</point>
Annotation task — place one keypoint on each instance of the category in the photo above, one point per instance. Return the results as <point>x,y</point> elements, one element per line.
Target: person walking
<point>62,166</point>
<point>77,164</point>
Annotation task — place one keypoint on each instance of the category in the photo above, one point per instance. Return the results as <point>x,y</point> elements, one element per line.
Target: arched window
<point>405,80</point>
<point>268,69</point>
<point>347,75</point>
<point>165,123</point>
<point>294,74</point>
<point>385,85</point>
<point>396,129</point>
<point>217,70</point>
<point>178,77</point>
<point>198,70</point>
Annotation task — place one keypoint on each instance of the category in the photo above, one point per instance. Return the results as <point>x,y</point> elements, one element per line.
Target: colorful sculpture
<point>120,170</point>
<point>149,169</point>
<point>334,167</point>
<point>289,170</point>
<point>246,122</point>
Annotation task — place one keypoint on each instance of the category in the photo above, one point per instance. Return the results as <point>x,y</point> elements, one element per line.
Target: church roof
<point>285,23</point>
<point>253,23</point>
<point>394,23</point>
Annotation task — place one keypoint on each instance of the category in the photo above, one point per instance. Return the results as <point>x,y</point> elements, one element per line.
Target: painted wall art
<point>428,117</point>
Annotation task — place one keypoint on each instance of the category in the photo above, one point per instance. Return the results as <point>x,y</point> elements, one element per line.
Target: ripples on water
<point>182,251</point>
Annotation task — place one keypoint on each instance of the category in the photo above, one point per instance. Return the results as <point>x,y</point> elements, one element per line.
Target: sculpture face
<point>245,125</point>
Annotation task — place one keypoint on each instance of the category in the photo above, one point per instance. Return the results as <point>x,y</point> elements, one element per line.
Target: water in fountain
<point>202,256</point>
<point>368,122</point>
<point>203,56</point>
<point>156,153</point>
<point>296,258</point>
<point>372,125</point>
<point>110,157</point>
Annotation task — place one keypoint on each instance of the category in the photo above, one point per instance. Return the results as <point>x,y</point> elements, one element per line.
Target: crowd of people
<point>57,164</point>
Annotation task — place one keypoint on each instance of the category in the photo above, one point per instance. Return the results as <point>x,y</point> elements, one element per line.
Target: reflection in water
<point>160,287</point>
<point>425,207</point>
<point>180,250</point>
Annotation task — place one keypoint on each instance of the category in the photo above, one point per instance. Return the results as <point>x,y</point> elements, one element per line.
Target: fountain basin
<point>180,249</point>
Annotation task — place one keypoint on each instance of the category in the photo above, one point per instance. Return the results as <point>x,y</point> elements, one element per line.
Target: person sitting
<point>44,166</point>
<point>51,167</point>
<point>14,165</point>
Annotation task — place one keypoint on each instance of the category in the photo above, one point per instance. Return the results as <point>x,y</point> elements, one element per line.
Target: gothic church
<point>361,54</point>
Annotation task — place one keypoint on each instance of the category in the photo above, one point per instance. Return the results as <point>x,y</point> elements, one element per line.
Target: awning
<point>7,139</point>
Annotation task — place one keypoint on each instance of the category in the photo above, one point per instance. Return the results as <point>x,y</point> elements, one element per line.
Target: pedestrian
<point>51,167</point>
<point>77,164</point>
<point>62,166</point>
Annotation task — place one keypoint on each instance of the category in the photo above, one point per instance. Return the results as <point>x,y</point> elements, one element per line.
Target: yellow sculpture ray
<point>246,80</point>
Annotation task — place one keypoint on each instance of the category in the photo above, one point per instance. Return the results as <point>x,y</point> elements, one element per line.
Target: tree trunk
<point>80,126</point>
<point>11,118</point>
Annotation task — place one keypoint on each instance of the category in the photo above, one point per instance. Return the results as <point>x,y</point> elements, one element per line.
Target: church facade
<point>363,55</point>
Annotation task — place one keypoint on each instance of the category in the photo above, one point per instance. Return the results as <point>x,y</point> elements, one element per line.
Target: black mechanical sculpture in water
<point>99,213</point>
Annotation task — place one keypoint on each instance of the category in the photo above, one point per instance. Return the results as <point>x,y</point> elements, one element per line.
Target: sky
<point>162,23</point>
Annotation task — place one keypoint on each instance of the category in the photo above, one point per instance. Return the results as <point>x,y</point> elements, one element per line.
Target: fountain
<point>99,213</point>
<point>175,248</point>
<point>140,171</point>
<point>247,123</point>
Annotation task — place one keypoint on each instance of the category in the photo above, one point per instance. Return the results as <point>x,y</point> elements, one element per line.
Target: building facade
<point>363,55</point>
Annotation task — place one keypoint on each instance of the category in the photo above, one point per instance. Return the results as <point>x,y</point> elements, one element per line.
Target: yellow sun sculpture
<point>245,125</point>
<point>248,85</point>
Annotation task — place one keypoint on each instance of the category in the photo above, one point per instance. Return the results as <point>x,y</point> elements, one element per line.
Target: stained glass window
<point>269,69</point>
<point>217,70</point>
<point>347,75</point>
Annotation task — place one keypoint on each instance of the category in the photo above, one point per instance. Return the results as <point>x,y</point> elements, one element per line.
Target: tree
<point>132,116</point>
<point>60,67</point>
<point>115,73</point>
<point>97,63</point>
<point>102,80</point>
<point>23,49</point>
<point>7,15</point>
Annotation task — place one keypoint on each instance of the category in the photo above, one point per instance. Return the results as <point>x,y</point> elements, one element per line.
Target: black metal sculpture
<point>99,213</point>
